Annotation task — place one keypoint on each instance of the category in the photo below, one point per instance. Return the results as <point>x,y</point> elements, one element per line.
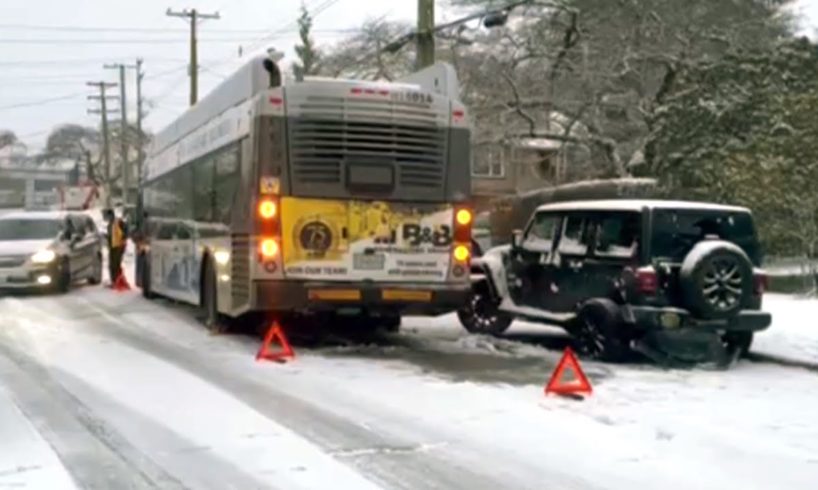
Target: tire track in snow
<point>782,361</point>
<point>96,456</point>
<point>390,461</point>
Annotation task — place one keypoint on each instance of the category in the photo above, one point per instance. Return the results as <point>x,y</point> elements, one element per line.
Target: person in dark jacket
<point>117,239</point>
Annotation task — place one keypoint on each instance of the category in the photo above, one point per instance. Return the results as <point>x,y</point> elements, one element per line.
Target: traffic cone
<point>121,284</point>
<point>275,333</point>
<point>556,385</point>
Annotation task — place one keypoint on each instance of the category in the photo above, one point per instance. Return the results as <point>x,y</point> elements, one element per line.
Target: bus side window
<point>203,195</point>
<point>166,231</point>
<point>227,180</point>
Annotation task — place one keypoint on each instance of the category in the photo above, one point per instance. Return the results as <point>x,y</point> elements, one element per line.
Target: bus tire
<point>145,276</point>
<point>208,303</point>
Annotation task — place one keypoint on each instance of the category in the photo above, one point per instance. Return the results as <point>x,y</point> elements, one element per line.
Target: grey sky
<point>53,63</point>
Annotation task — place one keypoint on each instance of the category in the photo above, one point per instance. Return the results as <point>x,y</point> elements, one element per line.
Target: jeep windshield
<point>28,229</point>
<point>675,232</point>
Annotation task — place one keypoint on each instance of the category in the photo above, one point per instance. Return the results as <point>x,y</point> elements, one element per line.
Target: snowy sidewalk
<point>794,332</point>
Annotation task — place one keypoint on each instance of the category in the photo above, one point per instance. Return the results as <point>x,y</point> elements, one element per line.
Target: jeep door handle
<point>575,265</point>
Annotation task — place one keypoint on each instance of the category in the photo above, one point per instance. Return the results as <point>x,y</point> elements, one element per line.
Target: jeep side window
<point>540,236</point>
<point>575,238</point>
<point>617,236</point>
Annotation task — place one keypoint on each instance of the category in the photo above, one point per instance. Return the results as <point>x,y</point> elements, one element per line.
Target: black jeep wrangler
<point>676,281</point>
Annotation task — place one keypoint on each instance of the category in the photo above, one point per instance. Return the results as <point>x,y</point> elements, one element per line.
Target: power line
<point>40,102</point>
<point>117,41</point>
<point>165,73</point>
<point>315,13</point>
<point>283,28</point>
<point>64,28</point>
<point>76,61</point>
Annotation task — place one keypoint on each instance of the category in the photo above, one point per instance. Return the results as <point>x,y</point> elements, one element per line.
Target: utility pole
<point>141,140</point>
<point>106,147</point>
<point>194,16</point>
<point>425,34</point>
<point>123,131</point>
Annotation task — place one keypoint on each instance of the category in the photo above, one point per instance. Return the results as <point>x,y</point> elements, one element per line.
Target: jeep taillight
<point>761,282</point>
<point>647,280</point>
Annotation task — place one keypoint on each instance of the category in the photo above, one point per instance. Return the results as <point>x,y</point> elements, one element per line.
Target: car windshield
<point>676,232</point>
<point>29,229</point>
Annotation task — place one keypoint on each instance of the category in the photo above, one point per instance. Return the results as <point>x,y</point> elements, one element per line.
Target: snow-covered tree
<point>307,52</point>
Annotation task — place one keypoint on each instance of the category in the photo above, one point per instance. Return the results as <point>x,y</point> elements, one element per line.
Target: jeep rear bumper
<point>649,318</point>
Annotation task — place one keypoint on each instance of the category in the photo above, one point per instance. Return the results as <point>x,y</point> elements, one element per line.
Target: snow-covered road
<point>107,390</point>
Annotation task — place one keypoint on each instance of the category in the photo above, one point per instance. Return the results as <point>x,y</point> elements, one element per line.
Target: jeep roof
<point>638,205</point>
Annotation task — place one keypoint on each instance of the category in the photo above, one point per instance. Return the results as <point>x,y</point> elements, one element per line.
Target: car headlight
<point>44,257</point>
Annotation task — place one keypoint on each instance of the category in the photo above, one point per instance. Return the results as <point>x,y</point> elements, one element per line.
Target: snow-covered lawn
<point>794,332</point>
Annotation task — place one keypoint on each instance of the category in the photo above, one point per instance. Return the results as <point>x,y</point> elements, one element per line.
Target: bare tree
<point>362,56</point>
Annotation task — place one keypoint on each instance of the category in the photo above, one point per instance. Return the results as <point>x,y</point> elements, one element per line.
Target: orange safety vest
<point>117,236</point>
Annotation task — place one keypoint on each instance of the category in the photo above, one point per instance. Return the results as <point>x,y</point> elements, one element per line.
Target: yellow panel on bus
<point>357,240</point>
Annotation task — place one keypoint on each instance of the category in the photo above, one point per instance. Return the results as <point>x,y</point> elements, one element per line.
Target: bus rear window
<point>676,232</point>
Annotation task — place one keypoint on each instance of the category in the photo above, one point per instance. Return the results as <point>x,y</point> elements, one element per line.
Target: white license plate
<point>368,262</point>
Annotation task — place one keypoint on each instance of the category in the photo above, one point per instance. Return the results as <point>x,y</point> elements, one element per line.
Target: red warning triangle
<point>121,284</point>
<point>558,386</point>
<point>275,333</point>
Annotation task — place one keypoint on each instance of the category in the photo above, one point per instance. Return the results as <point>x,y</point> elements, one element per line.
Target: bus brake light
<point>268,248</point>
<point>267,209</point>
<point>463,217</point>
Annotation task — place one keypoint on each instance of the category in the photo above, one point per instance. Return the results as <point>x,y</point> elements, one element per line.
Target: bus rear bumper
<point>414,298</point>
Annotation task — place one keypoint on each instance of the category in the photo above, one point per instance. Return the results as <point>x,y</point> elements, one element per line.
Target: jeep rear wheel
<point>716,279</point>
<point>597,332</point>
<point>481,314</point>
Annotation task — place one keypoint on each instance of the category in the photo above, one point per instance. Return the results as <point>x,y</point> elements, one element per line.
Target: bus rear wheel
<point>145,276</point>
<point>209,307</point>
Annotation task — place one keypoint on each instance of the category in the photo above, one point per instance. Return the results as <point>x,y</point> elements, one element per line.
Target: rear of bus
<point>363,200</point>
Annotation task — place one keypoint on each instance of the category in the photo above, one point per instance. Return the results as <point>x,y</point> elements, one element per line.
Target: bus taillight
<point>268,248</point>
<point>267,209</point>
<point>462,253</point>
<point>463,219</point>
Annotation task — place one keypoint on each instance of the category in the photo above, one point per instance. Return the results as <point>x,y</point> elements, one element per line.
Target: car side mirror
<point>517,238</point>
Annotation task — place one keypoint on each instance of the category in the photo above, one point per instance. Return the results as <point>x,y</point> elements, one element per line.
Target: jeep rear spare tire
<point>716,279</point>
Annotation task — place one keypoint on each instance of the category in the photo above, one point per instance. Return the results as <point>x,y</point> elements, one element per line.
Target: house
<point>513,165</point>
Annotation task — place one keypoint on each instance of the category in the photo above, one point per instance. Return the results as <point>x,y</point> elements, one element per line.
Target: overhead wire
<point>40,102</point>
<point>116,41</point>
<point>314,12</point>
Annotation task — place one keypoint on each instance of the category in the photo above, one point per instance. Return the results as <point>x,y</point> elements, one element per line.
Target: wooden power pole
<point>106,147</point>
<point>127,171</point>
<point>125,168</point>
<point>425,34</point>
<point>194,16</point>
<point>140,159</point>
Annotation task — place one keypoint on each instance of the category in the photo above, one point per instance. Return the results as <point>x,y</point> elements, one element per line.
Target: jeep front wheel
<point>481,314</point>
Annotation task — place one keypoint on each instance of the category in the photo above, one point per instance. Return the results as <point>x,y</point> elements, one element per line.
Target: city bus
<point>311,197</point>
